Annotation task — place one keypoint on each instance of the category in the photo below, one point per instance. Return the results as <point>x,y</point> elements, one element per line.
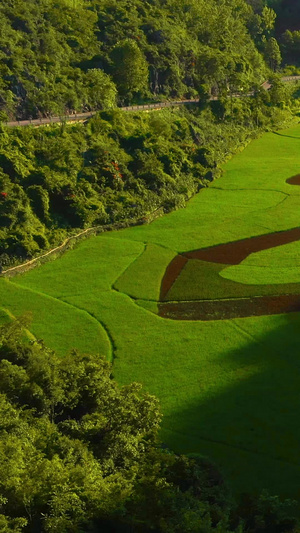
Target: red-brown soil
<point>228,309</point>
<point>294,180</point>
<point>231,253</point>
<point>172,272</point>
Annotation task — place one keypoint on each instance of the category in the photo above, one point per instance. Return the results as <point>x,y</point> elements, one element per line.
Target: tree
<point>79,453</point>
<point>268,17</point>
<point>129,68</point>
<point>272,53</point>
<point>101,91</point>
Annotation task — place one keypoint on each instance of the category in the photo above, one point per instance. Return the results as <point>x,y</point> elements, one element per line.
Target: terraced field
<point>228,377</point>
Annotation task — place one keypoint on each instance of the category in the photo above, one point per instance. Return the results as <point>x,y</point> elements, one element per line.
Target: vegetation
<point>212,378</point>
<point>67,56</point>
<point>275,26</point>
<point>281,263</point>
<point>210,281</point>
<point>77,453</point>
<point>73,55</point>
<point>119,167</point>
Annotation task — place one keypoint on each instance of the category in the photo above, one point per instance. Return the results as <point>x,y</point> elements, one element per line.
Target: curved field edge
<point>142,279</point>
<point>234,383</point>
<point>91,268</point>
<point>277,265</point>
<point>59,325</point>
<point>5,316</point>
<point>201,280</point>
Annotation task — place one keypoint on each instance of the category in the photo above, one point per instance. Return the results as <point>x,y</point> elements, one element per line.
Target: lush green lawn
<point>277,266</point>
<point>228,389</point>
<point>202,280</point>
<point>152,263</point>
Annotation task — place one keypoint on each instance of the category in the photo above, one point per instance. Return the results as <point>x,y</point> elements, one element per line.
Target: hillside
<point>75,55</point>
<point>62,56</point>
<point>201,306</point>
<point>119,168</point>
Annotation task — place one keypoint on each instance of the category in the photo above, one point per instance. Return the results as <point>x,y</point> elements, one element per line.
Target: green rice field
<point>229,389</point>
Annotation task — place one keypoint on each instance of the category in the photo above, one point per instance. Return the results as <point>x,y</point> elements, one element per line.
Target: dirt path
<point>80,117</point>
<point>25,266</point>
<point>232,308</point>
<point>232,253</point>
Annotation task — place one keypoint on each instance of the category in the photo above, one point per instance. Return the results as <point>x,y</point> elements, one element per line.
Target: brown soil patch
<point>231,253</point>
<point>172,272</point>
<point>294,180</point>
<point>229,309</point>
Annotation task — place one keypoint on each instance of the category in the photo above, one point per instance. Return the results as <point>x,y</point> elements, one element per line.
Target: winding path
<point>78,117</point>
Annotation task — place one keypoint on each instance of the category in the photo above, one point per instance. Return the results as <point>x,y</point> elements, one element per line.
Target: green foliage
<point>272,54</point>
<point>267,514</point>
<point>130,69</point>
<point>57,56</point>
<point>101,92</point>
<point>118,167</point>
<point>291,46</point>
<point>286,28</point>
<point>78,452</point>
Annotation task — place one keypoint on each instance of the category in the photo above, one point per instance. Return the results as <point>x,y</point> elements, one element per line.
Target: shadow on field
<point>248,419</point>
<point>283,135</point>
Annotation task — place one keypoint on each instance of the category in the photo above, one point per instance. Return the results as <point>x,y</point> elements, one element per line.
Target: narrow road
<point>77,117</point>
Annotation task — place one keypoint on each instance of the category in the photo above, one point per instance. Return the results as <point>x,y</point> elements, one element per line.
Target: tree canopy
<point>79,453</point>
<point>73,55</point>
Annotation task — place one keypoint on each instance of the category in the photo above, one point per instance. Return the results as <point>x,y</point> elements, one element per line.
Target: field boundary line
<point>232,299</point>
<point>250,189</point>
<point>63,302</point>
<point>111,342</point>
<point>236,447</point>
<point>128,266</point>
<point>35,259</point>
<point>94,230</point>
<point>10,315</point>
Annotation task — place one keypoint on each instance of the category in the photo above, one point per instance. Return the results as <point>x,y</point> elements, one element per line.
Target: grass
<point>228,388</point>
<point>276,266</point>
<point>5,316</point>
<point>201,280</point>
<point>153,263</point>
<point>59,324</point>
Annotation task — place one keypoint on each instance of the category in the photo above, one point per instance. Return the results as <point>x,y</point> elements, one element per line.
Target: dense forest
<point>74,54</point>
<point>286,14</point>
<point>78,453</point>
<point>65,56</point>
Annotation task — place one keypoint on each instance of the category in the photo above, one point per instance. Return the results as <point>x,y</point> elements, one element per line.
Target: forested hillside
<point>74,54</point>
<point>78,453</point>
<point>119,167</point>
<point>286,14</point>
<point>64,56</point>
